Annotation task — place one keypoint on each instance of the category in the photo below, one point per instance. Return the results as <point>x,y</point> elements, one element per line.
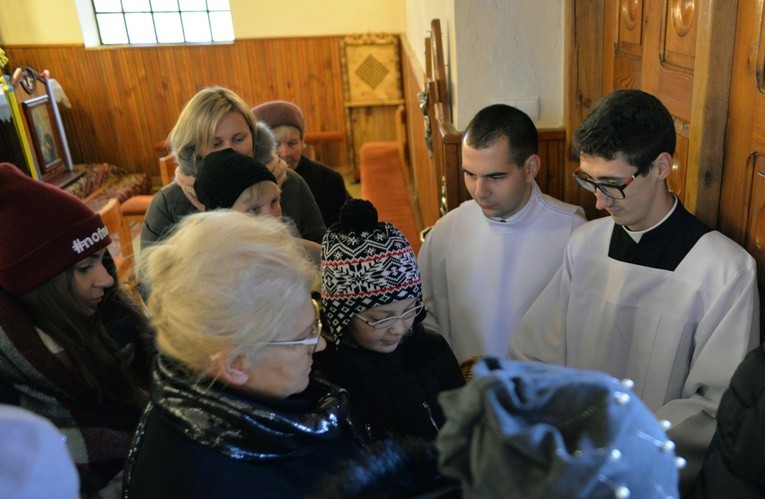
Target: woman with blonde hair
<point>233,411</point>
<point>214,119</point>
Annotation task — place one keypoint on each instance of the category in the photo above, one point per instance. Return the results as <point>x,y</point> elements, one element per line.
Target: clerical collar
<point>518,214</point>
<point>637,235</point>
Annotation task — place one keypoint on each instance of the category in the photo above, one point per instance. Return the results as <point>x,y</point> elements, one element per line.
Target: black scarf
<point>241,425</point>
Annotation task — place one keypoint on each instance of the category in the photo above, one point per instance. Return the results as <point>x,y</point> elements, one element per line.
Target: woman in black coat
<point>233,411</point>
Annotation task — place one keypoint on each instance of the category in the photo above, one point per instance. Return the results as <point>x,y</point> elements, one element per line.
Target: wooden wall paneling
<point>371,124</point>
<point>586,28</point>
<point>125,100</point>
<point>552,153</point>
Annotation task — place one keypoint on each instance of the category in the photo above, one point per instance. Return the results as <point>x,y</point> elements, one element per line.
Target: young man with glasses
<point>649,293</point>
<point>486,261</point>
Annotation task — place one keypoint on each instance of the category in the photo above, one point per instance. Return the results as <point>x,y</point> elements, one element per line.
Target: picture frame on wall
<point>46,140</point>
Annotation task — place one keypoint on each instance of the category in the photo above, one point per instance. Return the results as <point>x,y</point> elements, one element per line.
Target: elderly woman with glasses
<point>233,411</point>
<point>392,367</point>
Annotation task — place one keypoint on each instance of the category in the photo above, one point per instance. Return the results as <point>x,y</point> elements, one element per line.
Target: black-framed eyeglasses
<point>609,190</point>
<point>315,333</point>
<point>388,322</point>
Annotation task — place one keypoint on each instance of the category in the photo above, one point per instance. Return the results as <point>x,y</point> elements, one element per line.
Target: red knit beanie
<point>278,113</point>
<point>43,231</point>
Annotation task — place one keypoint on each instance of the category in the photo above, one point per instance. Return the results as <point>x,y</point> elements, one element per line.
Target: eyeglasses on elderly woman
<point>314,333</point>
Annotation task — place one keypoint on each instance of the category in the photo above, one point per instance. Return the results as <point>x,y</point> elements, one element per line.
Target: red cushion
<point>136,205</point>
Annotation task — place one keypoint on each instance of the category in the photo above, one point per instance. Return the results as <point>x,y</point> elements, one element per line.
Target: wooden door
<point>742,207</point>
<point>680,51</point>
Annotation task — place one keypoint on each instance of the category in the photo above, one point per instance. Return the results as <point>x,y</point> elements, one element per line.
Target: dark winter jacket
<point>199,439</point>
<point>394,394</point>
<point>735,462</point>
<point>327,186</point>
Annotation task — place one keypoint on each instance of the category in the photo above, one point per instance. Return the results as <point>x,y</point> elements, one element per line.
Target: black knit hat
<point>224,175</point>
<point>364,264</point>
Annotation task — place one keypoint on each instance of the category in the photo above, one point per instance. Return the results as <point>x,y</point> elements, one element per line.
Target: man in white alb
<point>485,262</point>
<point>649,293</point>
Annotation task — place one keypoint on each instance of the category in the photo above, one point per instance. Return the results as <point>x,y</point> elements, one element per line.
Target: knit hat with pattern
<point>278,113</point>
<point>43,231</point>
<point>364,264</point>
<point>224,175</point>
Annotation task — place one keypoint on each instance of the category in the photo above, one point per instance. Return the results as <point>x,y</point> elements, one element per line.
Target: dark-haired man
<point>486,261</point>
<point>649,293</point>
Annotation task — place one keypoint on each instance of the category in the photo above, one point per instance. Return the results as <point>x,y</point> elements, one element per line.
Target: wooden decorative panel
<point>678,44</point>
<point>630,34</point>
<point>745,128</point>
<point>372,69</point>
<point>626,73</point>
<point>674,88</point>
<point>372,89</point>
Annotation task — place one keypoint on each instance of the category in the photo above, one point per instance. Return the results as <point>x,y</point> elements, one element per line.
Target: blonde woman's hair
<point>225,280</point>
<point>193,134</point>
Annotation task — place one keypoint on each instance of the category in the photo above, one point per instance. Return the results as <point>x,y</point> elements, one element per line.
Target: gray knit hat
<point>364,264</point>
<point>525,429</point>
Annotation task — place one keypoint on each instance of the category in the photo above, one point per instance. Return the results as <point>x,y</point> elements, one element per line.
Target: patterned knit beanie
<point>43,231</point>
<point>364,264</point>
<point>278,113</point>
<point>224,175</point>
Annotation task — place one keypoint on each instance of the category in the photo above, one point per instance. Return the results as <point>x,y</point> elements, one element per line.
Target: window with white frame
<point>148,22</point>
